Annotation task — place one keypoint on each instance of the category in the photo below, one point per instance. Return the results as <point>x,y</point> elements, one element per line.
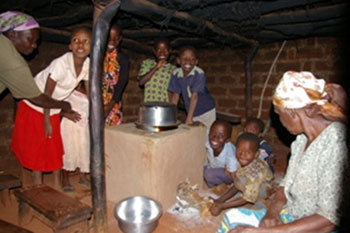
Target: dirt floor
<point>170,222</point>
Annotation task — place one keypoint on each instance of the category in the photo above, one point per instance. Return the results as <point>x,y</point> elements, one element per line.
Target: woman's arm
<point>311,224</point>
<point>272,216</point>
<point>45,101</point>
<point>193,104</point>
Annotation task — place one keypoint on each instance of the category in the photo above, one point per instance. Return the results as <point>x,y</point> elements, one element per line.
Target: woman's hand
<point>73,116</point>
<point>270,220</point>
<point>336,95</point>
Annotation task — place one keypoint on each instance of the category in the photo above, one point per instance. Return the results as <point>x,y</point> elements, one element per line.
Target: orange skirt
<point>32,149</point>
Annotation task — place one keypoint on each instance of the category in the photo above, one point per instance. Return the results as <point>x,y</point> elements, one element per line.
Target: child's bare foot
<point>83,181</point>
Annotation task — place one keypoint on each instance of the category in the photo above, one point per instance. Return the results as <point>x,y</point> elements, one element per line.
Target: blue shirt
<point>195,82</point>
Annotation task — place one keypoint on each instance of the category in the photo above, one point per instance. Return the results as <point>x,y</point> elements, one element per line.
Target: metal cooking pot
<point>158,114</point>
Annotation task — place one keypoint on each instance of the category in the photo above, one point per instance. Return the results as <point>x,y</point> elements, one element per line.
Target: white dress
<point>75,136</point>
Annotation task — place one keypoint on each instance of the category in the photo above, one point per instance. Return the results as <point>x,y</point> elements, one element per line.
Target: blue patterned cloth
<point>247,217</point>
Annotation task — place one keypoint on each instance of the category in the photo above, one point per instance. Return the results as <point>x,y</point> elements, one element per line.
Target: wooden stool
<point>8,182</point>
<point>6,227</point>
<point>61,212</point>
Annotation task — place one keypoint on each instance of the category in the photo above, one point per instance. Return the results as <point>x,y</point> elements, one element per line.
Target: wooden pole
<point>97,161</point>
<point>248,81</point>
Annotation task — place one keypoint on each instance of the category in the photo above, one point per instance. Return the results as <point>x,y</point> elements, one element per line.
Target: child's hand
<point>73,116</point>
<point>47,127</point>
<point>160,63</point>
<point>189,121</point>
<point>215,209</point>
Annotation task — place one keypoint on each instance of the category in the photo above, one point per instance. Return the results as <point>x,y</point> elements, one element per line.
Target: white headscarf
<point>298,89</point>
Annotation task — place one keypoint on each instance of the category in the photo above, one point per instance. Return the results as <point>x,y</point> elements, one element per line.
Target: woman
<point>309,196</point>
<point>19,33</point>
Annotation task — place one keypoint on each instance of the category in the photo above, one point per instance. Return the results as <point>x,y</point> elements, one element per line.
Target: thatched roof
<point>202,23</point>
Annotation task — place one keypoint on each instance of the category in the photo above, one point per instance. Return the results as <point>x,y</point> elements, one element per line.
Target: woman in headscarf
<point>309,196</point>
<point>19,33</point>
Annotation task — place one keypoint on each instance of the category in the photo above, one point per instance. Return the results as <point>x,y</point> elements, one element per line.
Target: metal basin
<point>157,114</point>
<point>138,214</point>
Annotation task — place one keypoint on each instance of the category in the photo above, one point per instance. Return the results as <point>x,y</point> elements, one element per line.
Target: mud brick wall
<point>226,73</point>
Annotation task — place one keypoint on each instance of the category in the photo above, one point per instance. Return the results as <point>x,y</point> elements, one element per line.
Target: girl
<point>38,146</point>
<point>76,138</point>
<point>115,77</point>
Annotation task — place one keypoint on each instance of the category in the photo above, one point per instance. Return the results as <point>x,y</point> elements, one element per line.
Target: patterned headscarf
<point>299,89</point>
<point>17,21</point>
<point>296,90</point>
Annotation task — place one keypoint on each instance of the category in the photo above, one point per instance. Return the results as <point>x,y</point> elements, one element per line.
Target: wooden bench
<point>6,227</point>
<point>59,211</point>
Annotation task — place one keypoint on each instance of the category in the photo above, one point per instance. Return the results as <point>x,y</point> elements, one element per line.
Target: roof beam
<point>183,21</point>
<point>305,15</point>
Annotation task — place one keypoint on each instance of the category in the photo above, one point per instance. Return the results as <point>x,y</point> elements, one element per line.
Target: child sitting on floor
<point>220,155</point>
<point>251,179</point>
<point>190,81</point>
<point>155,75</point>
<point>256,126</point>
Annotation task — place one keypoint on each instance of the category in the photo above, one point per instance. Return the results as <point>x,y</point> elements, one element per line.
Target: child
<point>115,77</point>
<point>190,81</point>
<point>256,126</point>
<point>36,139</point>
<point>76,139</point>
<point>220,155</point>
<point>155,75</point>
<point>251,178</point>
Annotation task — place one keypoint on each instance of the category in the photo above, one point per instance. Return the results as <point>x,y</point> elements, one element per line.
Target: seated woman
<point>309,196</point>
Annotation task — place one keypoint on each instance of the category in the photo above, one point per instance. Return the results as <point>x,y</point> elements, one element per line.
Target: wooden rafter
<point>182,21</point>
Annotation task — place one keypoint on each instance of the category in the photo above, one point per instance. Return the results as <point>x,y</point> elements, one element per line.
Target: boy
<point>256,126</point>
<point>251,177</point>
<point>220,155</point>
<point>155,75</point>
<point>190,81</point>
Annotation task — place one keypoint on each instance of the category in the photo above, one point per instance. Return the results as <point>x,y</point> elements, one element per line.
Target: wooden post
<point>97,161</point>
<point>248,81</point>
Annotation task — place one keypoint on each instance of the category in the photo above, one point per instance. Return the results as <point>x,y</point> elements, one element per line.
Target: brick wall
<point>226,75</point>
<point>225,71</point>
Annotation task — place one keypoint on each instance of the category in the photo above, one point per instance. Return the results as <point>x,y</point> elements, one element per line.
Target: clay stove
<point>140,162</point>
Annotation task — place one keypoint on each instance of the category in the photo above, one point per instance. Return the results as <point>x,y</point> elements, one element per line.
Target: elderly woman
<point>19,33</point>
<point>309,196</point>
